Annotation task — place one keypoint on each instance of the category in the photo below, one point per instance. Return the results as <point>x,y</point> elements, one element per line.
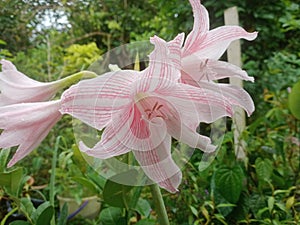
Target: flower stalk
<point>159,205</point>
<point>76,77</point>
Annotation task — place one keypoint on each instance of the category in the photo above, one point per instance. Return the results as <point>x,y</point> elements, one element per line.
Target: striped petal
<point>96,100</point>
<point>217,41</point>
<point>161,70</point>
<point>26,125</point>
<point>16,87</point>
<point>199,69</point>
<point>159,166</point>
<point>200,27</point>
<point>198,104</point>
<point>136,132</point>
<point>235,95</point>
<point>109,146</point>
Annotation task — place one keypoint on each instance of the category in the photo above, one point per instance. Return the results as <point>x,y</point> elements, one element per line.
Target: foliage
<point>262,190</point>
<point>294,100</point>
<point>80,57</point>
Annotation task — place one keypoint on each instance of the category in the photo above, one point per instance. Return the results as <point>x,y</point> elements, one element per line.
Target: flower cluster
<point>140,111</point>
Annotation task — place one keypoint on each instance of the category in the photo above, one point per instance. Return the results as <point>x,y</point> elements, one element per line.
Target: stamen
<point>155,111</point>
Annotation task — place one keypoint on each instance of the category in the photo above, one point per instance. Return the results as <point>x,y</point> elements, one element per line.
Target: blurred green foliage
<point>262,190</point>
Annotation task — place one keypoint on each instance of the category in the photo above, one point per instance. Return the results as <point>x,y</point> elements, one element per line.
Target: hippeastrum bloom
<point>26,125</point>
<point>203,48</point>
<point>142,111</point>
<point>15,87</point>
<point>199,58</point>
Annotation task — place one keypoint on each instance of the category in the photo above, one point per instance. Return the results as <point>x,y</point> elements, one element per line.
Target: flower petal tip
<point>11,163</point>
<point>252,36</point>
<point>7,65</point>
<point>83,147</point>
<point>210,148</point>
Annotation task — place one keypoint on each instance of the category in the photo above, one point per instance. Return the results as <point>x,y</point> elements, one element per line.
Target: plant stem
<point>52,177</point>
<point>3,221</point>
<point>73,79</point>
<point>159,205</point>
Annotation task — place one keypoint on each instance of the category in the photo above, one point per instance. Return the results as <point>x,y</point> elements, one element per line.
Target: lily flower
<point>199,59</point>
<point>203,48</point>
<point>15,87</point>
<point>141,111</point>
<point>26,125</point>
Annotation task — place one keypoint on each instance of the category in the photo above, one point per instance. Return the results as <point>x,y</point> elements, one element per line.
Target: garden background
<point>49,39</point>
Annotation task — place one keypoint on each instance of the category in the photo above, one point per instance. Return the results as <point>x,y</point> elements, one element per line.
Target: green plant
<point>73,175</point>
<point>12,182</point>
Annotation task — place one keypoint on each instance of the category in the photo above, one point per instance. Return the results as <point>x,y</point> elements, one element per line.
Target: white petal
<point>109,146</point>
<point>183,133</point>
<point>200,28</point>
<point>94,101</point>
<point>235,95</point>
<point>159,165</point>
<point>217,41</point>
<point>207,69</point>
<point>137,133</point>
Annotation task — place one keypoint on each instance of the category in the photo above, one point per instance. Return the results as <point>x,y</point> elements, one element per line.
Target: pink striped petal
<point>109,146</point>
<point>200,28</point>
<point>7,65</point>
<point>15,87</point>
<point>197,69</point>
<point>217,41</point>
<point>161,69</point>
<point>235,95</point>
<point>136,132</point>
<point>94,101</point>
<point>26,125</point>
<point>159,166</point>
<point>183,133</point>
<point>174,47</point>
<point>11,74</point>
<point>198,104</point>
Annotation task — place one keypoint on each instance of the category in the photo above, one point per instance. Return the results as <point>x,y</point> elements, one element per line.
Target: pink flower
<point>142,111</point>
<point>15,87</point>
<point>203,48</point>
<point>199,56</point>
<point>26,125</point>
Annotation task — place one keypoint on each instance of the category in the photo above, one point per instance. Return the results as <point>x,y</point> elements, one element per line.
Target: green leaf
<point>264,169</point>
<point>19,222</point>
<point>146,222</point>
<point>229,182</point>
<point>11,181</point>
<point>143,207</point>
<point>27,207</point>
<point>116,194</point>
<point>294,100</point>
<point>111,216</point>
<point>43,214</point>
<point>271,201</point>
<point>194,210</point>
<point>78,159</point>
<point>4,154</point>
<point>2,42</point>
<point>97,179</point>
<point>86,183</point>
<point>63,217</point>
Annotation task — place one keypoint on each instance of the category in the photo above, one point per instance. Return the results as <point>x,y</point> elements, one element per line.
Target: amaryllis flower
<point>203,48</point>
<point>199,59</point>
<point>15,87</point>
<point>142,111</point>
<point>26,125</point>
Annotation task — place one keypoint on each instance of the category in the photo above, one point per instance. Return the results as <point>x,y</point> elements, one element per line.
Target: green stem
<point>52,177</point>
<point>159,205</point>
<point>73,79</point>
<point>8,215</point>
